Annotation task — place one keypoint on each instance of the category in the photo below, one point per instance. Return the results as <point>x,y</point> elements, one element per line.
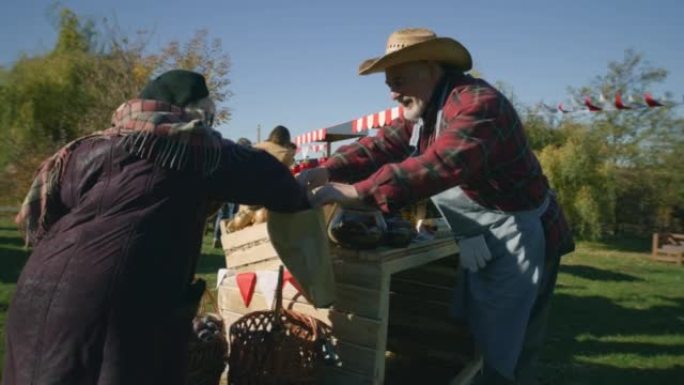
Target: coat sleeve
<point>254,177</point>
<point>358,160</point>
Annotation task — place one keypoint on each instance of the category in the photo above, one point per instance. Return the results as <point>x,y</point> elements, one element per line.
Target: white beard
<point>415,111</point>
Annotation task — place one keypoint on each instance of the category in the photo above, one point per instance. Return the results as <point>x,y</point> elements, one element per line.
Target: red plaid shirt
<point>481,147</point>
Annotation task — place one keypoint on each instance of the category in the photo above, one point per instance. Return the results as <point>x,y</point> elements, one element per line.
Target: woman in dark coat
<point>116,222</point>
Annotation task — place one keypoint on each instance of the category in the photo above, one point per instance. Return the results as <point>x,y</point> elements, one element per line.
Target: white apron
<point>496,300</point>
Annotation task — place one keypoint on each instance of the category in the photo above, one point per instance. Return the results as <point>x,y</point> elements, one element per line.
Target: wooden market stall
<point>390,319</point>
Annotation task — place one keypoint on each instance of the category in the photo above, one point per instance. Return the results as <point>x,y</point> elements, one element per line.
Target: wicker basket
<point>278,347</point>
<point>208,346</point>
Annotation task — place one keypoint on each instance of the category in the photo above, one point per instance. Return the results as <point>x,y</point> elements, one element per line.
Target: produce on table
<point>400,232</point>
<point>247,216</point>
<point>357,228</point>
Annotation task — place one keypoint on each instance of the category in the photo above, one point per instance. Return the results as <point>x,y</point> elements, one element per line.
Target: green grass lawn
<point>617,317</point>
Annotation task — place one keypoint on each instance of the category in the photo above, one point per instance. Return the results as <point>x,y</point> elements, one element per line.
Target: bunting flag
<point>619,104</point>
<point>652,102</point>
<point>221,275</point>
<point>246,282</point>
<point>267,280</point>
<point>590,105</point>
<point>289,278</point>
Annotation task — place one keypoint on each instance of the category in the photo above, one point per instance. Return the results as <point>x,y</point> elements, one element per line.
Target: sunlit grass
<point>617,318</point>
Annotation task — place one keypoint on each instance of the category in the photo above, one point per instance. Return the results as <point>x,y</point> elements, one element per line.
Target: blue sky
<point>294,62</point>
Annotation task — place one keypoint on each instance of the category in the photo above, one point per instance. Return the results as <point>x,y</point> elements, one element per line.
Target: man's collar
<point>439,94</point>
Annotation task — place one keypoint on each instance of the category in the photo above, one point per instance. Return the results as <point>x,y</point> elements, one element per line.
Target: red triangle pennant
<point>288,277</point>
<point>246,283</point>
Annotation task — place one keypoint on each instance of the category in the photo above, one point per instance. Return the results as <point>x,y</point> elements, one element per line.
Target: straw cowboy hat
<point>415,44</point>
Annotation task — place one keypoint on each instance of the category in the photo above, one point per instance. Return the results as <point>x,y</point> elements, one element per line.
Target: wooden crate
<point>377,318</point>
<point>249,249</point>
<point>424,342</point>
<point>356,332</point>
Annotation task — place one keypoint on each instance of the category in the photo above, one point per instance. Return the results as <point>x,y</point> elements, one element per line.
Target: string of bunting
<point>617,104</point>
<point>265,280</point>
<point>306,143</point>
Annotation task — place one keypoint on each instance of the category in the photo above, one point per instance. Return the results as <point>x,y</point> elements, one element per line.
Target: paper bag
<point>301,241</point>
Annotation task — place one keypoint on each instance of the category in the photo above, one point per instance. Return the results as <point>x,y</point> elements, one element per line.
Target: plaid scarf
<point>152,130</point>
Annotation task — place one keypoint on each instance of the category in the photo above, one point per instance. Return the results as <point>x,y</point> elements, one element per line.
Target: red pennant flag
<point>592,107</point>
<point>648,98</point>
<point>288,277</point>
<point>246,283</point>
<point>619,104</point>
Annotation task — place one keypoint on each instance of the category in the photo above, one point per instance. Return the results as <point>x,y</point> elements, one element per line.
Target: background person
<point>279,145</point>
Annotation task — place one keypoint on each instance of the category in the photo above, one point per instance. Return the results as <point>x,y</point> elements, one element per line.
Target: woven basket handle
<point>278,295</point>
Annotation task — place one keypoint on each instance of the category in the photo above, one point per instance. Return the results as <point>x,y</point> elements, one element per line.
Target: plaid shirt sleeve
<point>472,122</point>
<point>360,159</point>
<point>482,147</point>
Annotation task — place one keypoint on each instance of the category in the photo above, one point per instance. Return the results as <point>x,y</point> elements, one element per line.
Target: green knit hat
<point>177,87</point>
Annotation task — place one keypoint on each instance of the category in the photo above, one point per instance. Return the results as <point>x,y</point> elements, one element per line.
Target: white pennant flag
<point>267,281</point>
<point>222,274</point>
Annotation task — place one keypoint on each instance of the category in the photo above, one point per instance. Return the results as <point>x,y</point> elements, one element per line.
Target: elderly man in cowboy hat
<point>461,144</point>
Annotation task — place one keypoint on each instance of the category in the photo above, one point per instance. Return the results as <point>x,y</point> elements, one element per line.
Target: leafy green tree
<point>48,100</point>
<point>640,145</point>
<point>541,131</point>
<point>577,171</point>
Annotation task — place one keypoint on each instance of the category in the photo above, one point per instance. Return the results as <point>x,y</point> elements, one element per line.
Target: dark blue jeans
<point>224,212</point>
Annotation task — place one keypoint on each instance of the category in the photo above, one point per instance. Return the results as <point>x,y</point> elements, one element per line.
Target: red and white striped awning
<point>311,136</point>
<point>349,129</point>
<point>378,119</point>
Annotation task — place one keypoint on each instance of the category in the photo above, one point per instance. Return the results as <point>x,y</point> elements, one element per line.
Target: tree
<point>541,131</point>
<point>206,57</point>
<point>614,170</point>
<point>578,172</point>
<point>642,146</point>
<point>48,100</point>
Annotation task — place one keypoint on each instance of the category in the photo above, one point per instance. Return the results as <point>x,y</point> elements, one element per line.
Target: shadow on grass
<point>598,317</point>
<point>589,272</point>
<point>11,241</point>
<point>12,261</point>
